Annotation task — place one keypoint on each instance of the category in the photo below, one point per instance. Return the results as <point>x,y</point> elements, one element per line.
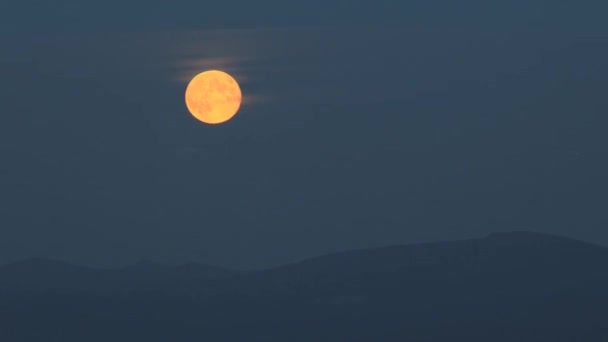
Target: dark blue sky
<point>365,124</point>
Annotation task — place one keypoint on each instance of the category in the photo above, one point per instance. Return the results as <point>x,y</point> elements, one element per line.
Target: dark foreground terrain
<point>505,287</point>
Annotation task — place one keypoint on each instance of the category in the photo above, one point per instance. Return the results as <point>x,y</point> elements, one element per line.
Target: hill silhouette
<point>47,276</point>
<point>517,286</point>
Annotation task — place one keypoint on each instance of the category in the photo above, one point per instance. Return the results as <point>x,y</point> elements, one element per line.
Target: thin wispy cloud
<point>311,66</point>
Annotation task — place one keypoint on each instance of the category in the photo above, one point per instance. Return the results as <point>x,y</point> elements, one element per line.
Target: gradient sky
<point>365,123</point>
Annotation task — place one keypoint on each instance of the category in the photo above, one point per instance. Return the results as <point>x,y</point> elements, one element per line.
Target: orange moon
<point>213,97</point>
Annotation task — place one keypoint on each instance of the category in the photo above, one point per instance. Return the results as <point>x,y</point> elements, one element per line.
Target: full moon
<point>213,97</point>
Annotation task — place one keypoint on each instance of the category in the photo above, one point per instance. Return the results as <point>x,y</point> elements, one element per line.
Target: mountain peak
<point>537,238</point>
<point>525,234</point>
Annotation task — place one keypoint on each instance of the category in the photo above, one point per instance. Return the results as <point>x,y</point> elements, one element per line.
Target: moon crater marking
<point>213,97</point>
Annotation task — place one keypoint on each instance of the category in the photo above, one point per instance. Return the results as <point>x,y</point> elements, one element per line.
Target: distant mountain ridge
<point>48,275</point>
<point>516,286</point>
<point>527,248</point>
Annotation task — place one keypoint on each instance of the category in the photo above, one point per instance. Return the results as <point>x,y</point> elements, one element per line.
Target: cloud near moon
<point>310,66</point>
<point>307,65</point>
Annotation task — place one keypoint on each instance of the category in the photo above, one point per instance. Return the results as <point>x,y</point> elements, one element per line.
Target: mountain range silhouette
<point>517,286</point>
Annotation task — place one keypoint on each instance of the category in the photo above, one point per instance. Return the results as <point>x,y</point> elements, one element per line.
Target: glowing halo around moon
<point>213,97</point>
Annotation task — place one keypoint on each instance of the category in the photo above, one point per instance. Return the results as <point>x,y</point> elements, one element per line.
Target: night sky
<point>364,123</point>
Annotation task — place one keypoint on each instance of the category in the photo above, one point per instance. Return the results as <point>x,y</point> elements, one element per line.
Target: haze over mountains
<point>505,287</point>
